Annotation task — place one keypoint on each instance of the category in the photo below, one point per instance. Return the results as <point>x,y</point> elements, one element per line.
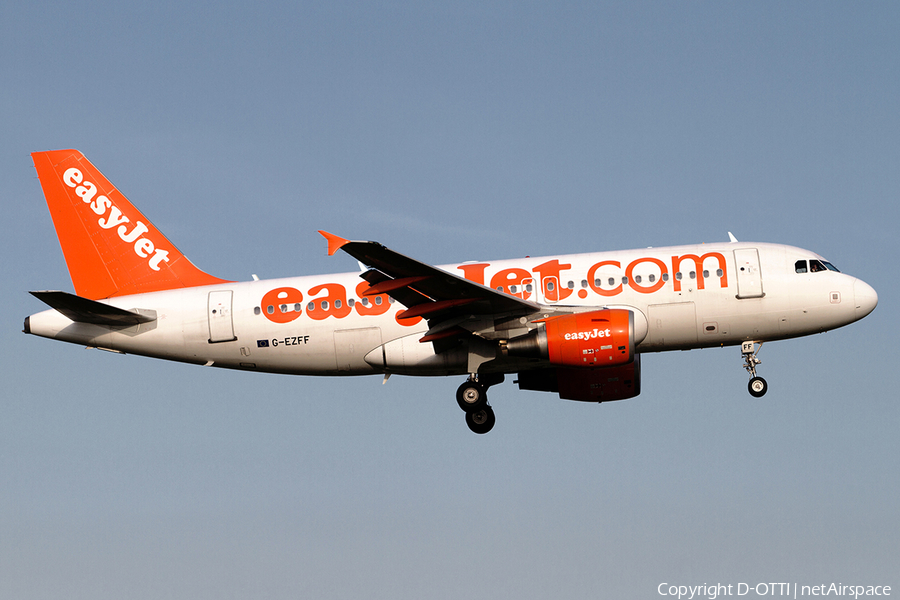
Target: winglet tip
<point>335,242</point>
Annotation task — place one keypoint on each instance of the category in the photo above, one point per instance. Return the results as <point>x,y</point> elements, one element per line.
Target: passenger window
<point>800,266</point>
<point>257,310</point>
<point>652,277</point>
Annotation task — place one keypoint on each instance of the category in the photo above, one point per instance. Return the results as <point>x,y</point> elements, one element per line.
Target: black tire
<point>471,396</point>
<point>758,387</point>
<point>481,421</point>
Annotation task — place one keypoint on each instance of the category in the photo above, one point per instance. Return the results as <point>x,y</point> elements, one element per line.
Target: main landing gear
<point>757,386</point>
<point>472,398</point>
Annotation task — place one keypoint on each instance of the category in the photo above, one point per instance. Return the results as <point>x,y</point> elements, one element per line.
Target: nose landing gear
<point>472,398</point>
<point>757,386</point>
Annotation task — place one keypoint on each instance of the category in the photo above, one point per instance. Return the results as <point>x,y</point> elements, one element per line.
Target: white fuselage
<point>683,297</point>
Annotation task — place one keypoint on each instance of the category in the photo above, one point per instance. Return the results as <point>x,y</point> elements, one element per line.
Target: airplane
<point>575,325</point>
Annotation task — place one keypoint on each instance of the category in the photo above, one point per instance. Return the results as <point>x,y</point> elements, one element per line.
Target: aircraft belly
<point>351,346</point>
<point>672,325</point>
<point>409,356</point>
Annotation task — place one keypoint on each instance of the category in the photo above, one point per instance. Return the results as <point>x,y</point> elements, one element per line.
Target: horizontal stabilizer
<point>82,310</point>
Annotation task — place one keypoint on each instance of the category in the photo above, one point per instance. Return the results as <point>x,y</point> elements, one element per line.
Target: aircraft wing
<point>427,291</point>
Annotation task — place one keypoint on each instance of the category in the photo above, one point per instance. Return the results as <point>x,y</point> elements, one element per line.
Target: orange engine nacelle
<point>600,338</point>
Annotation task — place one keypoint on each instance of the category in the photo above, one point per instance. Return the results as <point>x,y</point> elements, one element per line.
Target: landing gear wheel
<point>482,420</point>
<point>471,396</point>
<point>758,387</point>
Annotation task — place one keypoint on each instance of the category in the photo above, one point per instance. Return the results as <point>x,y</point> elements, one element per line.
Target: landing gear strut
<point>757,386</point>
<point>472,398</point>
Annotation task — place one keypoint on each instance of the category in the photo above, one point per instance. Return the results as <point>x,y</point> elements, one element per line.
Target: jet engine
<point>599,338</point>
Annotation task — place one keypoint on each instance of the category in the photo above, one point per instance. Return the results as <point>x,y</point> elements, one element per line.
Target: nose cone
<point>865,297</point>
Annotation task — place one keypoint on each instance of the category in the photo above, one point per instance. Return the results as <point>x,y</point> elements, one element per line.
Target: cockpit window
<point>816,266</point>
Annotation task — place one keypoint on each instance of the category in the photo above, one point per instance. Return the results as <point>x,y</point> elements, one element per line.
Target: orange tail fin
<point>111,249</point>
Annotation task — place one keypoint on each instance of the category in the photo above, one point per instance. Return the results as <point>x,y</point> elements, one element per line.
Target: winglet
<point>335,242</point>
<point>731,238</point>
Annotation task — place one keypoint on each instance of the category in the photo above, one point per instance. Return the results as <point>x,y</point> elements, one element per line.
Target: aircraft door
<point>749,274</point>
<point>221,325</point>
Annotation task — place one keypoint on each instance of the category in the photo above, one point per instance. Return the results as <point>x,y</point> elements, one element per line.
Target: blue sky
<point>465,131</point>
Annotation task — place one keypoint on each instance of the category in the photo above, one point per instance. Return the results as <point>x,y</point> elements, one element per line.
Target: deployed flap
<point>447,294</point>
<point>82,310</point>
